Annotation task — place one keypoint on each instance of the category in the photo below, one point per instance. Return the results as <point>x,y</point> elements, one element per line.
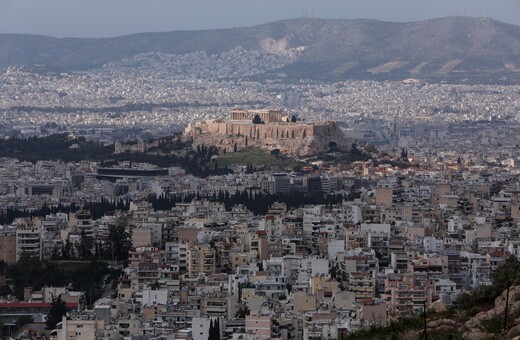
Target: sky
<point>107,18</point>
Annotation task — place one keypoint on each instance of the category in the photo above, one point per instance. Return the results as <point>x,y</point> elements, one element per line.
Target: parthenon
<point>267,116</point>
<point>275,130</point>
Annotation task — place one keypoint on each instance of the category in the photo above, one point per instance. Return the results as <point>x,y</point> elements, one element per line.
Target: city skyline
<point>259,179</point>
<point>96,18</point>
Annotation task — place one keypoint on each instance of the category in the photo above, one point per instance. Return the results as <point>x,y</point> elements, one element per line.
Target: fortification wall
<point>325,128</point>
<point>267,116</point>
<point>296,139</point>
<point>260,131</point>
<point>265,131</point>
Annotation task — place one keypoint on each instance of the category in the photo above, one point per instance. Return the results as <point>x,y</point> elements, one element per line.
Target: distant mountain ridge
<point>456,47</point>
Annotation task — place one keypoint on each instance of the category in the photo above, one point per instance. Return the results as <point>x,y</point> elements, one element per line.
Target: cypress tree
<point>217,329</point>
<point>56,312</point>
<point>214,330</point>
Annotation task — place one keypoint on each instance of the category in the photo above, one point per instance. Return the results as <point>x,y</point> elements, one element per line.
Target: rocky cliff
<point>486,324</point>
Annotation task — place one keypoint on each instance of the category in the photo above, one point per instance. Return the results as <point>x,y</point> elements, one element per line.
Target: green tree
<point>371,148</point>
<point>211,334</point>
<point>5,290</point>
<point>507,274</point>
<point>404,154</point>
<point>84,247</point>
<point>333,271</point>
<point>242,312</point>
<point>214,330</point>
<point>57,311</point>
<point>30,271</point>
<point>217,329</point>
<point>56,255</point>
<point>119,242</point>
<point>66,249</point>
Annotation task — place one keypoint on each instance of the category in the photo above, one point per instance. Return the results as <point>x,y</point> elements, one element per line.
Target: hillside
<point>452,47</point>
<point>477,314</point>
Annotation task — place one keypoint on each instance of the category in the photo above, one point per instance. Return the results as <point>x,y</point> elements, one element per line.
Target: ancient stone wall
<point>297,139</point>
<point>262,131</point>
<point>267,116</point>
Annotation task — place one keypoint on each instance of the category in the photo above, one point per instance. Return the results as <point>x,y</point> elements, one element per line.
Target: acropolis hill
<point>268,130</point>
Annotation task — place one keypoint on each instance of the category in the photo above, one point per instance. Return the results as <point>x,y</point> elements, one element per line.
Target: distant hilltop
<point>268,130</point>
<point>458,48</point>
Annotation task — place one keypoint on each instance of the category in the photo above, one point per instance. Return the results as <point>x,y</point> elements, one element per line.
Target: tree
<point>57,311</point>
<point>235,148</point>
<point>507,274</point>
<point>211,329</point>
<point>275,152</point>
<point>257,119</point>
<point>242,312</point>
<point>249,168</point>
<point>85,245</point>
<point>30,271</point>
<point>371,148</point>
<point>66,249</point>
<point>56,255</point>
<point>5,290</point>
<point>214,330</point>
<point>354,151</point>
<point>120,242</point>
<point>293,119</point>
<point>217,328</point>
<point>333,271</point>
<point>404,154</point>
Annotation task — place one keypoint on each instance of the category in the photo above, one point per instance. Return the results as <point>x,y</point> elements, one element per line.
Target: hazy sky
<point>103,18</point>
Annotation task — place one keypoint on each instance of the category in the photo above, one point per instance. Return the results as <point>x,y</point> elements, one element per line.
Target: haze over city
<point>101,18</point>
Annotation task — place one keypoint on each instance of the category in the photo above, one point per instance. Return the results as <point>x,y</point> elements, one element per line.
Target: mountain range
<point>451,48</point>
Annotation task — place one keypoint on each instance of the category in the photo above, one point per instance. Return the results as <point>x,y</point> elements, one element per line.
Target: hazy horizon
<point>102,18</point>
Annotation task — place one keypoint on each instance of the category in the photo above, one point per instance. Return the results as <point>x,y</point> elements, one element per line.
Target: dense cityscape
<point>210,196</point>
